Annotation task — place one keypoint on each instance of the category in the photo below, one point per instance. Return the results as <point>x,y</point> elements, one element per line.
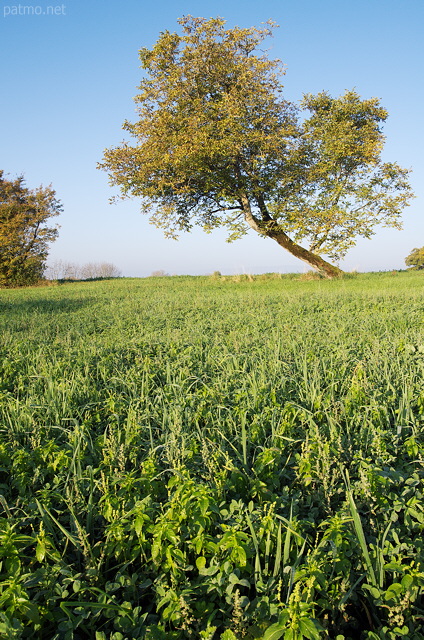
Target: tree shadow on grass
<point>79,280</point>
<point>43,305</point>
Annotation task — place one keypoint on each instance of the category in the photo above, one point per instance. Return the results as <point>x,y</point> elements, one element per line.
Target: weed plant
<point>206,458</point>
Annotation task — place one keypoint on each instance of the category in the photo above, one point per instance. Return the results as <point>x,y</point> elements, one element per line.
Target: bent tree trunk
<point>314,261</point>
<point>272,230</point>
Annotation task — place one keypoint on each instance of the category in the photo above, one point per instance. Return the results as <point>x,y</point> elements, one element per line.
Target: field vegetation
<point>213,458</point>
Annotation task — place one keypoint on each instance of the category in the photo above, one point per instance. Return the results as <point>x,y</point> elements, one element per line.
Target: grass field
<point>213,458</point>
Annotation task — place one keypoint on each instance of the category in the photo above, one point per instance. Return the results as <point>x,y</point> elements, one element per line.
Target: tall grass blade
<point>361,537</point>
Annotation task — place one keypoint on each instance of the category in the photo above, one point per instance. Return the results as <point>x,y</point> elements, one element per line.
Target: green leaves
<point>290,628</point>
<point>179,473</point>
<point>211,118</point>
<point>361,538</point>
<point>216,144</point>
<point>415,259</point>
<point>24,236</point>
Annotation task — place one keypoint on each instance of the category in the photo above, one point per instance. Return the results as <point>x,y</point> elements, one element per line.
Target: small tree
<point>71,271</point>
<point>24,234</point>
<point>217,144</point>
<point>54,270</point>
<point>108,270</point>
<point>159,273</point>
<point>88,271</point>
<point>60,270</point>
<point>93,270</point>
<point>415,260</point>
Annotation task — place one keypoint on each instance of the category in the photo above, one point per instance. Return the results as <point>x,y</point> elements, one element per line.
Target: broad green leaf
<point>138,525</point>
<point>40,550</point>
<point>275,631</point>
<point>309,629</point>
<point>393,591</point>
<point>374,591</point>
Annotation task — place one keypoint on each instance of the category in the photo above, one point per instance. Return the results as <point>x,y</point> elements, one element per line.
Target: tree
<point>24,236</point>
<point>415,260</point>
<point>93,270</point>
<point>217,144</point>
<point>60,270</point>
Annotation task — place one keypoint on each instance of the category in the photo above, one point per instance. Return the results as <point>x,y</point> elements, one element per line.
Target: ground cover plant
<point>214,458</point>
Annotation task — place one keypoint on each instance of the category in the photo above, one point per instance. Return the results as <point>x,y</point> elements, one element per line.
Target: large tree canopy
<point>218,145</point>
<point>24,236</point>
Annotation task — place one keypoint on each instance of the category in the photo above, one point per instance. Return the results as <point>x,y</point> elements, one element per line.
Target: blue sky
<point>68,81</point>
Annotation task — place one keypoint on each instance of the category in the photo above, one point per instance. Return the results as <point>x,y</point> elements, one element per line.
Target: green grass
<point>210,457</point>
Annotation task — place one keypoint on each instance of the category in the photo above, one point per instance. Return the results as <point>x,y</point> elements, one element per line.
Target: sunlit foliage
<point>24,234</point>
<point>217,144</point>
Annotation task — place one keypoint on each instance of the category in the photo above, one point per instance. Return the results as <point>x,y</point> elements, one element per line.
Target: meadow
<point>213,458</point>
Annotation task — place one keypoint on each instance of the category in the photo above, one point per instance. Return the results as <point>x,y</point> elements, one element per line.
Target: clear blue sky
<point>67,86</point>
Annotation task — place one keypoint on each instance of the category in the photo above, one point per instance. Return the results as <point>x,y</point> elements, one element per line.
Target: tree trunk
<point>314,261</point>
<point>271,230</point>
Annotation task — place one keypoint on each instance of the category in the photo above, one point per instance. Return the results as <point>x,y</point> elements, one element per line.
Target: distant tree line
<point>62,270</point>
